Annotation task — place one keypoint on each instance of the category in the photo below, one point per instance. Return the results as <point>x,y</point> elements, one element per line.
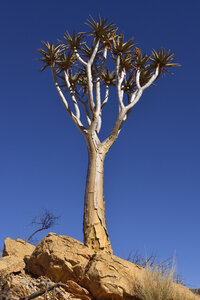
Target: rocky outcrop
<point>62,258</point>
<point>63,268</point>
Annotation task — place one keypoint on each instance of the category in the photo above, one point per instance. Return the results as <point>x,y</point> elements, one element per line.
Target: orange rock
<point>77,290</point>
<point>105,276</point>
<point>17,247</point>
<point>60,258</point>
<point>10,264</point>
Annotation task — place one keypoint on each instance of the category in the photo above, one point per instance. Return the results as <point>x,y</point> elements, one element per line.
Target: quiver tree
<point>85,68</point>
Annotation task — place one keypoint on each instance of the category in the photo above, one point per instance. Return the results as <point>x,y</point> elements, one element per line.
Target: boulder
<point>17,247</point>
<point>110,277</point>
<point>10,264</point>
<point>62,258</point>
<point>14,253</point>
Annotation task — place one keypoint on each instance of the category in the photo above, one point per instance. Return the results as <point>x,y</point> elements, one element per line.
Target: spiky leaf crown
<point>62,56</point>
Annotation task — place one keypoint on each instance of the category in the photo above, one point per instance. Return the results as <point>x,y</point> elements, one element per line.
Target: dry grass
<point>159,285</point>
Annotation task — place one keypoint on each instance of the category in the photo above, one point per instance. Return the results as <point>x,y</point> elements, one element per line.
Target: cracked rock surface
<point>62,258</point>
<point>63,268</point>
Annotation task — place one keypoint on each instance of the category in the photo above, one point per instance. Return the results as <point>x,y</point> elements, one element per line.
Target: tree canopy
<point>101,56</point>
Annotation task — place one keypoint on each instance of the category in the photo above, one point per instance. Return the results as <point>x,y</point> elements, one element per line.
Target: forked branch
<point>108,142</point>
<point>72,94</point>
<point>76,120</point>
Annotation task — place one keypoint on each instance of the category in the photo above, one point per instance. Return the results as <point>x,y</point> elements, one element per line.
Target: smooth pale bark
<point>94,224</point>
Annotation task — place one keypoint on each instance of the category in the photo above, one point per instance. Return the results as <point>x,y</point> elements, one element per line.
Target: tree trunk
<point>94,224</point>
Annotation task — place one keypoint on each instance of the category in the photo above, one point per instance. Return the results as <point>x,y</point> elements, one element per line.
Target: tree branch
<point>97,120</point>
<point>138,79</point>
<point>80,59</point>
<point>36,231</point>
<point>134,99</point>
<point>122,78</point>
<point>106,97</point>
<point>99,123</point>
<point>119,84</point>
<point>105,51</point>
<point>151,80</point>
<point>102,106</point>
<point>95,112</point>
<point>37,294</point>
<point>72,94</point>
<point>138,93</point>
<point>94,53</point>
<point>85,106</point>
<point>108,142</point>
<point>89,78</point>
<point>74,118</point>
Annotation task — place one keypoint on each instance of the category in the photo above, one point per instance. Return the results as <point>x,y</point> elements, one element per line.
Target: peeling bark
<point>94,224</point>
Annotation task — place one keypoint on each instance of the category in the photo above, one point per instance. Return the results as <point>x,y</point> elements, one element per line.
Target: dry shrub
<point>152,261</point>
<point>159,285</point>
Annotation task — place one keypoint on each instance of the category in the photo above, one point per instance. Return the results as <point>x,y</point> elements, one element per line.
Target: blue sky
<point>152,172</point>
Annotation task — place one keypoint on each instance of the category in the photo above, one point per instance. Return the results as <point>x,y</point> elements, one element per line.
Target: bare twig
<point>44,221</point>
<point>37,294</point>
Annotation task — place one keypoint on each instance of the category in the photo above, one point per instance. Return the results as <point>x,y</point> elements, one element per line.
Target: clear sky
<point>152,172</point>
